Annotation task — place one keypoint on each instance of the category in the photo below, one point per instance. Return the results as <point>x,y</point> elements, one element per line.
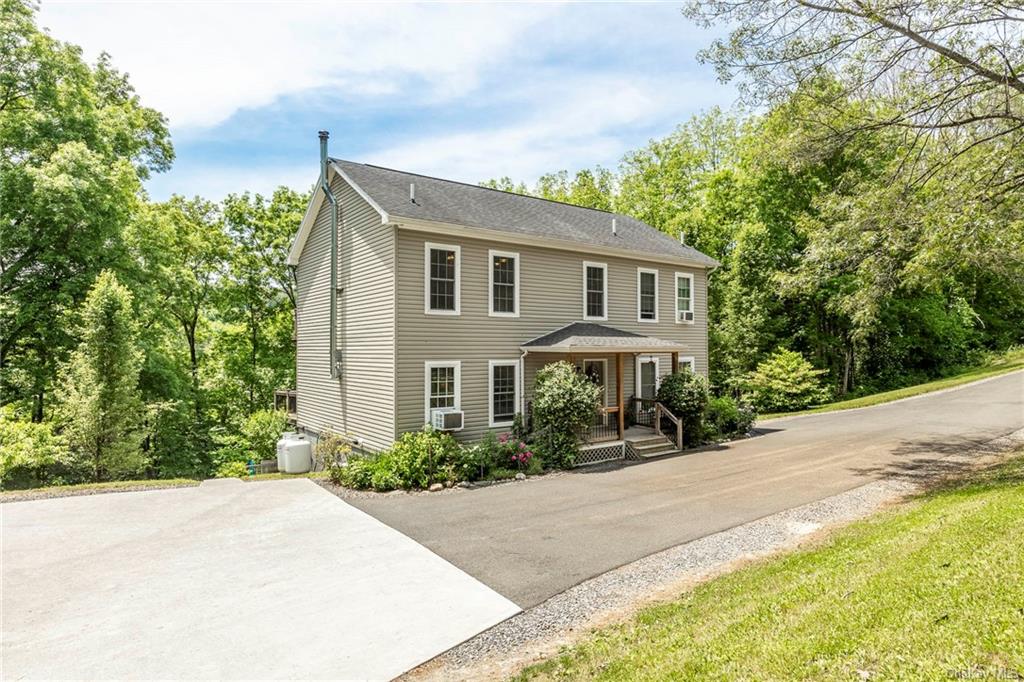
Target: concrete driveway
<point>269,580</point>
<point>532,540</point>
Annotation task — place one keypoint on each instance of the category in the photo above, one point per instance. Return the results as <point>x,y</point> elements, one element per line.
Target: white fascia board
<point>606,350</point>
<point>591,250</point>
<point>316,201</point>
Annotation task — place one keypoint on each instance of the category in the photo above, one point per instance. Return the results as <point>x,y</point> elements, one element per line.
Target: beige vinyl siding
<point>551,296</point>
<point>361,401</point>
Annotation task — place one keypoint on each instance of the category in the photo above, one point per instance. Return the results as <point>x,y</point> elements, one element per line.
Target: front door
<point>646,387</point>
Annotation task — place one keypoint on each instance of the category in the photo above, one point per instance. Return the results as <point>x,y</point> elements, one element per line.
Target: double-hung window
<point>503,278</point>
<point>646,295</point>
<point>442,386</point>
<point>441,271</point>
<point>595,291</point>
<point>684,298</point>
<point>503,383</point>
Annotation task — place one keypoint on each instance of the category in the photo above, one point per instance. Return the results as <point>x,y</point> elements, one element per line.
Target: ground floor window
<point>504,391</point>
<point>442,386</point>
<point>687,362</point>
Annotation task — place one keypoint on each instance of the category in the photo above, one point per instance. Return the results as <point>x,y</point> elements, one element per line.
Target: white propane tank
<point>285,437</point>
<point>298,456</point>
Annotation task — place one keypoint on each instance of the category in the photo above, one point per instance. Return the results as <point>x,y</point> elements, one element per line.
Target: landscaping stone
<point>434,487</point>
<point>520,476</point>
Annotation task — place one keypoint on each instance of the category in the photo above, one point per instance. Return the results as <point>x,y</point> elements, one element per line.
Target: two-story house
<point>417,294</point>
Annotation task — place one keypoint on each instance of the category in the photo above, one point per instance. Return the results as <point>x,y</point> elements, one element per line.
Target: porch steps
<point>652,446</point>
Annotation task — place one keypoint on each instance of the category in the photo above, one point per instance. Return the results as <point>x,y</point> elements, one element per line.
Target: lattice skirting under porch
<point>595,454</point>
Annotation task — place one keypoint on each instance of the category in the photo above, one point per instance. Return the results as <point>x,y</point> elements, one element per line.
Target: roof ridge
<point>492,189</point>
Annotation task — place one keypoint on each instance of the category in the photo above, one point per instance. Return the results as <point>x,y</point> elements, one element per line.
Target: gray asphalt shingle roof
<point>590,335</point>
<point>464,204</point>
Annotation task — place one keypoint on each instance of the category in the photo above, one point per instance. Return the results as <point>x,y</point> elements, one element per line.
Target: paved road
<point>532,540</point>
<point>228,580</point>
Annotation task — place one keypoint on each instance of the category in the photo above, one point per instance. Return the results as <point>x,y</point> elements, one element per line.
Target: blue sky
<point>464,91</point>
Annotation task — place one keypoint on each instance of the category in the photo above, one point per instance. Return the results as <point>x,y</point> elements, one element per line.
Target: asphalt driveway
<point>228,580</point>
<point>532,540</point>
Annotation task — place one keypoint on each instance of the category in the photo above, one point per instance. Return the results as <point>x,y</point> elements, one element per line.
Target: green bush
<point>725,418</point>
<point>565,402</point>
<point>785,382</point>
<point>32,455</point>
<point>179,443</point>
<point>232,470</point>
<point>416,460</point>
<point>330,453</point>
<point>261,431</point>
<point>686,395</point>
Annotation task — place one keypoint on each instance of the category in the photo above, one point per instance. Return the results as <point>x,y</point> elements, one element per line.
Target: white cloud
<point>573,125</point>
<point>201,62</point>
<point>504,89</point>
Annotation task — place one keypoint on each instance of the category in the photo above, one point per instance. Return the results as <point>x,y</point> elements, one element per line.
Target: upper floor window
<point>647,295</point>
<point>684,297</point>
<point>441,289</point>
<point>504,283</point>
<point>595,291</point>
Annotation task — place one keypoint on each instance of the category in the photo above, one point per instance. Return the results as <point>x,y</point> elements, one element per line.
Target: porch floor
<point>638,433</point>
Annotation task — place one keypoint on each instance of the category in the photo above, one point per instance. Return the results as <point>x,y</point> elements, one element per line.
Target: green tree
<point>256,301</point>
<point>99,395</point>
<point>75,144</point>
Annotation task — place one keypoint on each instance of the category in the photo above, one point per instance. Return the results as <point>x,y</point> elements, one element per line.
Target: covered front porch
<point>628,413</point>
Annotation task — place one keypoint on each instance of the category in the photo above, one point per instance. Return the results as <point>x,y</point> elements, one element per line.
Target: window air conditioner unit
<point>446,420</point>
<point>686,317</point>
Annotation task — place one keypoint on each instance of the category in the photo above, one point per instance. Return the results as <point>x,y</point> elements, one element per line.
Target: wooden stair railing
<point>659,411</point>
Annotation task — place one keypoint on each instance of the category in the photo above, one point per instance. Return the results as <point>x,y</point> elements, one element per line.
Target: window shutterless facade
<point>503,391</point>
<point>688,361</point>
<point>595,291</point>
<point>684,298</point>
<point>646,295</point>
<point>442,386</point>
<point>503,280</point>
<point>442,273</point>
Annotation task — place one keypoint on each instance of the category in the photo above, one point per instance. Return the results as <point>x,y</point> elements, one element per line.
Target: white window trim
<point>640,359</point>
<point>491,364</point>
<point>639,272</point>
<point>431,364</point>
<point>675,299</point>
<point>491,254</point>
<point>427,246</point>
<point>603,266</point>
<point>604,372</point>
<point>688,359</point>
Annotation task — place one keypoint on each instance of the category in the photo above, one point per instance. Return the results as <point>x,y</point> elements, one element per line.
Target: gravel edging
<point>543,629</point>
<point>29,495</point>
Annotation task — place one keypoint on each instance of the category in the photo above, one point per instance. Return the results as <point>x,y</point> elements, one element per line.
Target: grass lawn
<point>1008,362</point>
<point>928,590</point>
<point>94,488</point>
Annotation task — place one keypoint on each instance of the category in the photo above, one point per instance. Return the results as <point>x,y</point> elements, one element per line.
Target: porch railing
<point>604,427</point>
<point>643,411</point>
<point>286,400</point>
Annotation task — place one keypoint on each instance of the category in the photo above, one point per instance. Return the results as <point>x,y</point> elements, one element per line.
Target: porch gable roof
<point>587,337</point>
